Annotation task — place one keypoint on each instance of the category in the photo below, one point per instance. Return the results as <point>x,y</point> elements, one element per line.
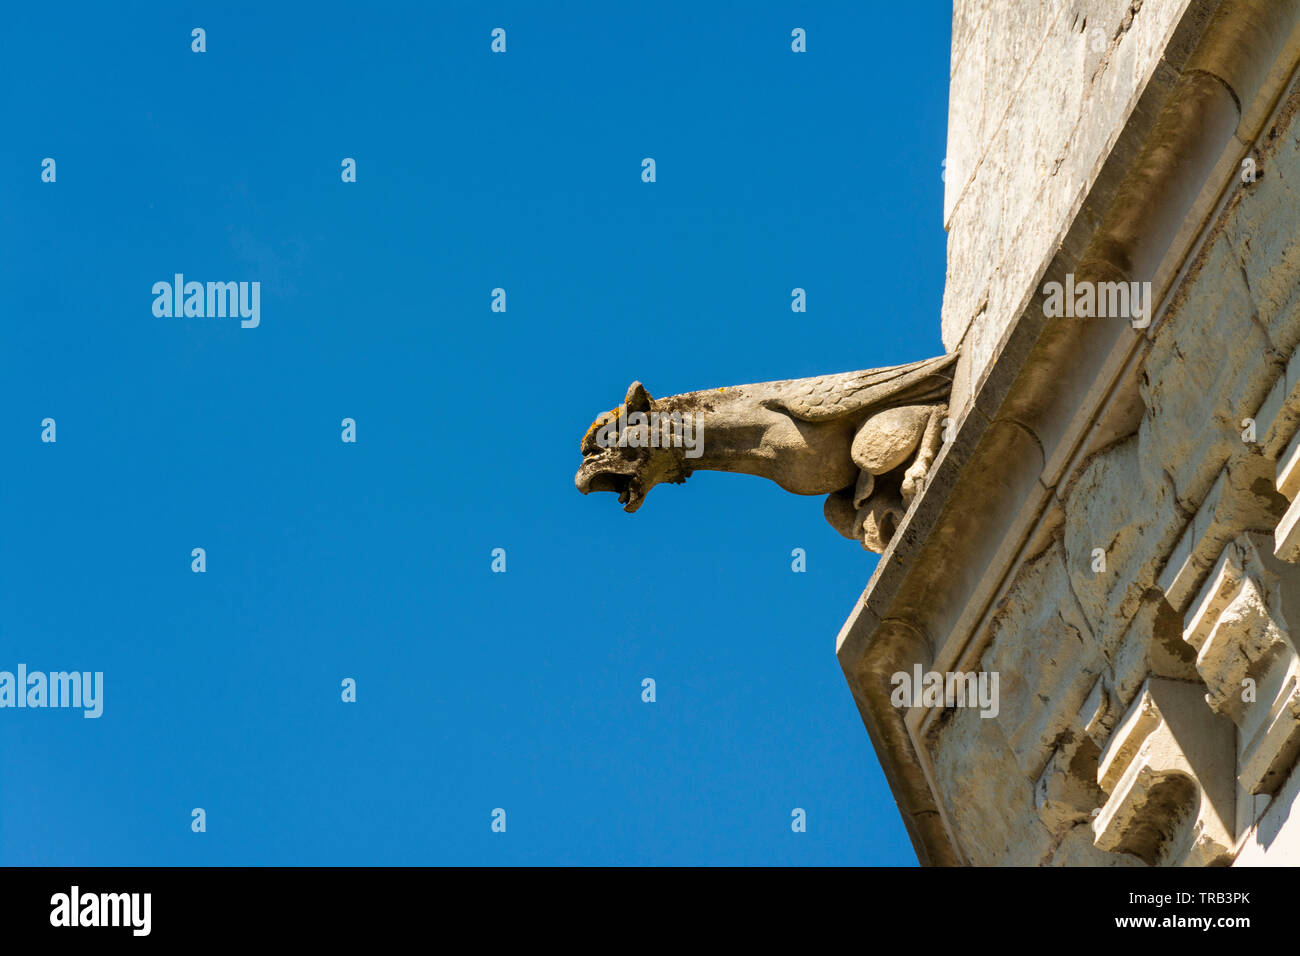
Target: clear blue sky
<point>372,560</point>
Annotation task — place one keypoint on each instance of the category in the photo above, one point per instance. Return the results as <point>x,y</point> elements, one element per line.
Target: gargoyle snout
<point>610,471</point>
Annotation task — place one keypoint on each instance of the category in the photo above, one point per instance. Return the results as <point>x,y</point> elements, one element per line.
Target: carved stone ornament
<point>1245,655</point>
<point>1167,774</point>
<point>865,439</point>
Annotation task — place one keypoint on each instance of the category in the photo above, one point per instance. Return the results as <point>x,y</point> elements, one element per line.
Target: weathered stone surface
<point>1067,792</point>
<point>1240,626</point>
<point>1286,536</point>
<point>1275,838</point>
<point>1077,849</point>
<point>1128,513</point>
<point>1241,498</point>
<point>1152,644</point>
<point>1167,773</point>
<point>970,49</point>
<point>1277,423</point>
<point>1261,225</point>
<point>1026,143</point>
<point>1208,367</point>
<point>1043,682</point>
<point>989,800</point>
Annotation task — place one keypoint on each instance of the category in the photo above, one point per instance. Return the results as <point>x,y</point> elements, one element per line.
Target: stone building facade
<point>1109,526</point>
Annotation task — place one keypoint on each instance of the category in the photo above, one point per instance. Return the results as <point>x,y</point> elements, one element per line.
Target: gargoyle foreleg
<point>931,441</point>
<point>884,442</point>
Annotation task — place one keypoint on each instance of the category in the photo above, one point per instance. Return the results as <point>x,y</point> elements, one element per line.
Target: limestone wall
<point>1039,91</point>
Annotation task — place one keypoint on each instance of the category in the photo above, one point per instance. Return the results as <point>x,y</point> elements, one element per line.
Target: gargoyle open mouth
<point>612,472</point>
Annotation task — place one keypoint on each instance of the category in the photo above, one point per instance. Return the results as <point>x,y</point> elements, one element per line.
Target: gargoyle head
<point>624,452</point>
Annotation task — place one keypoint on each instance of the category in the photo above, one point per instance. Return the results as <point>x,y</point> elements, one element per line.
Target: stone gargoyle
<point>865,439</point>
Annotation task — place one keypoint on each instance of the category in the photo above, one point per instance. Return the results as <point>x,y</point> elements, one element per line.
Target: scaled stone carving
<point>865,439</point>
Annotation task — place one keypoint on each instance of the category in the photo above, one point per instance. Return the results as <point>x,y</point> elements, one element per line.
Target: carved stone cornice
<point>1167,773</point>
<point>1239,629</point>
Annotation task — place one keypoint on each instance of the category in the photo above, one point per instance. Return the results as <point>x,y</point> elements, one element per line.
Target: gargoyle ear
<point>637,398</point>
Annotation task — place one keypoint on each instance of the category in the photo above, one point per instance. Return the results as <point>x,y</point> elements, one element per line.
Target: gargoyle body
<point>864,439</point>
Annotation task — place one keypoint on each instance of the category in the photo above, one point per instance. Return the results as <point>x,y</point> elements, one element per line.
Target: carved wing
<point>826,397</point>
